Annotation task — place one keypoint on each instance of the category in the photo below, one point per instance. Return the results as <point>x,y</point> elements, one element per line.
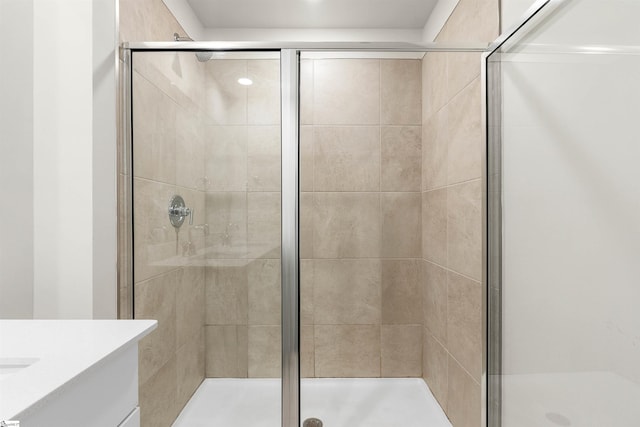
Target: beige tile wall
<point>242,168</point>
<point>140,20</point>
<point>168,151</point>
<point>361,218</point>
<point>452,192</point>
<point>449,270</point>
<point>169,285</point>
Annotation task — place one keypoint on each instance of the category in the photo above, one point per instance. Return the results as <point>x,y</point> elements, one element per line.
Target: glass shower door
<point>360,242</point>
<point>206,175</point>
<point>564,96</point>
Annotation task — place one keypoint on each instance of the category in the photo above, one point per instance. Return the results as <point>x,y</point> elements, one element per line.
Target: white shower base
<point>338,402</point>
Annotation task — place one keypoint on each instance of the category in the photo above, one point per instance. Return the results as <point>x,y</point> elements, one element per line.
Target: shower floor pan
<point>338,402</point>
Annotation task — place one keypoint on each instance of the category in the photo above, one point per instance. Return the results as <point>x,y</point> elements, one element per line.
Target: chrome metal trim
<point>289,69</point>
<point>310,46</point>
<point>538,11</point>
<point>485,281</point>
<point>563,49</point>
<point>492,235</point>
<point>125,183</point>
<point>492,211</point>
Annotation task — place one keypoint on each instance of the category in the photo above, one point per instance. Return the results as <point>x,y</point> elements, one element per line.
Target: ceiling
<point>313,14</point>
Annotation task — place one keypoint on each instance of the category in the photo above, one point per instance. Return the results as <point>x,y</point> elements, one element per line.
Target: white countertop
<point>58,350</point>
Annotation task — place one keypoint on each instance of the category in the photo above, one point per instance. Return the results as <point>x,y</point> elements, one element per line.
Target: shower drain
<point>312,422</point>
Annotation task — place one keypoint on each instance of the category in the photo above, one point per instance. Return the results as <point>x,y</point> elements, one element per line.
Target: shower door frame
<point>493,204</point>
<point>290,205</point>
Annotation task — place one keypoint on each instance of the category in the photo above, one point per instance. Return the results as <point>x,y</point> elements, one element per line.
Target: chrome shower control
<point>178,212</point>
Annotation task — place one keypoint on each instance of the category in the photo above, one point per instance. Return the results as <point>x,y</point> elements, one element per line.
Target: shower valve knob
<point>178,212</point>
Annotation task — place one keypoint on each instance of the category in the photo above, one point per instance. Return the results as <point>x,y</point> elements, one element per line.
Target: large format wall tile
<point>346,291</point>
<point>347,351</point>
<point>264,292</point>
<point>226,154</point>
<point>263,221</point>
<point>190,367</point>
<point>263,158</point>
<point>226,100</point>
<point>306,291</point>
<point>464,160</point>
<point>462,68</point>
<point>435,368</point>
<point>464,397</point>
<point>346,158</point>
<point>306,225</point>
<point>346,225</point>
<point>263,103</point>
<point>155,238</point>
<point>464,224</point>
<point>400,158</point>
<point>401,225</point>
<point>464,327</point>
<point>401,350</point>
<point>401,302</point>
<point>472,20</point>
<point>346,92</point>
<point>307,352</point>
<point>226,351</point>
<point>265,354</point>
<point>434,82</point>
<point>435,300</point>
<point>226,296</point>
<point>156,299</point>
<point>178,74</point>
<point>226,215</point>
<point>136,25</point>
<point>306,158</point>
<point>452,163</point>
<point>169,100</point>
<point>154,135</point>
<point>158,397</point>
<point>434,226</point>
<point>306,92</point>
<point>190,304</point>
<point>400,91</point>
<point>435,139</point>
<point>189,151</point>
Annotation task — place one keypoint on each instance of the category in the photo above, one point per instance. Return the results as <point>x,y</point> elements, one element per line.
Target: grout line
<point>451,270</point>
<point>455,184</point>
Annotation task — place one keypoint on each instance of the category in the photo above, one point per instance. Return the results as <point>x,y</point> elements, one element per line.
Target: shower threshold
<point>338,402</point>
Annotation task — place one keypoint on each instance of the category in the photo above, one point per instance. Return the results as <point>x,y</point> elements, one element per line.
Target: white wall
<point>68,74</point>
<point>571,208</point>
<point>511,11</point>
<point>572,203</point>
<point>16,169</point>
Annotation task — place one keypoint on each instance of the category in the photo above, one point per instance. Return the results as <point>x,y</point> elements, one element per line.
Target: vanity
<point>70,373</point>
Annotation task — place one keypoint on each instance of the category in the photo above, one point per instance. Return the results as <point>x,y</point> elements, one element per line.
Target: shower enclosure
<point>286,277</point>
<point>563,97</point>
<point>277,204</point>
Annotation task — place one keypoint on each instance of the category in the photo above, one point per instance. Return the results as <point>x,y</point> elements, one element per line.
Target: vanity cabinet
<point>67,389</point>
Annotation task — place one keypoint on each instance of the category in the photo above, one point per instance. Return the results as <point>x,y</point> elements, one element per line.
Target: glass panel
<point>206,127</point>
<point>567,93</point>
<point>360,242</point>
